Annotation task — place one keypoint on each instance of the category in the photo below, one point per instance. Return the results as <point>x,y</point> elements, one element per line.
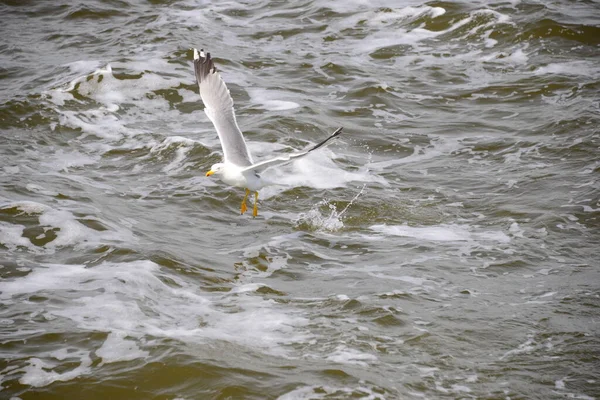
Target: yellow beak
<point>209,173</point>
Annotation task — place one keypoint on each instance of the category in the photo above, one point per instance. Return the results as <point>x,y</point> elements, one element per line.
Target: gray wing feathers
<point>261,166</point>
<point>219,109</point>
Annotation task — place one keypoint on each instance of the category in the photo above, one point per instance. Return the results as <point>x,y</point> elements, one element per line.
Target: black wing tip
<point>337,132</point>
<point>203,65</point>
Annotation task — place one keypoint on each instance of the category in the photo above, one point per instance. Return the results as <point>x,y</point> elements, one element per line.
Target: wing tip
<point>336,133</point>
<point>199,54</point>
<point>203,65</point>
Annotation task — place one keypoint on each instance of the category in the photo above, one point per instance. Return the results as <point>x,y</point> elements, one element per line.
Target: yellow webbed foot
<point>255,209</point>
<point>244,208</point>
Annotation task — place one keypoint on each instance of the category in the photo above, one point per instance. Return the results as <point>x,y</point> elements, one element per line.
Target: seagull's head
<point>216,169</point>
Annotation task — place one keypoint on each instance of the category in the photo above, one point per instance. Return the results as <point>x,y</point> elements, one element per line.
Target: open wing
<point>261,166</point>
<point>218,106</point>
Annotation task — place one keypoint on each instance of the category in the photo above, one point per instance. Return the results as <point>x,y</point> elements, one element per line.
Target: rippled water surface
<point>445,246</point>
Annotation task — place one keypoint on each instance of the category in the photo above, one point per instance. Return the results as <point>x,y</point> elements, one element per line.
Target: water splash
<point>324,215</point>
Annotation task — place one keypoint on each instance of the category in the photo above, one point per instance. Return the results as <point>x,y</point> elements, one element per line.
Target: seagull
<point>237,168</point>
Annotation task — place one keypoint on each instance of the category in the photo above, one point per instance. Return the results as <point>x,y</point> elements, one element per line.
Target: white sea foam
<point>182,145</point>
<point>439,147</point>
<point>442,233</point>
<point>103,87</point>
<point>346,355</point>
<point>39,373</point>
<point>11,236</point>
<point>409,12</point>
<point>108,120</point>
<point>117,348</point>
<point>404,278</point>
<point>99,122</point>
<point>27,207</point>
<point>271,100</point>
<point>416,36</point>
<point>84,66</point>
<point>11,170</point>
<point>68,230</point>
<point>580,67</point>
<point>317,392</point>
<point>317,170</point>
<point>131,301</point>
<point>527,347</point>
<point>518,57</point>
<point>514,58</point>
<point>32,187</point>
<point>64,160</point>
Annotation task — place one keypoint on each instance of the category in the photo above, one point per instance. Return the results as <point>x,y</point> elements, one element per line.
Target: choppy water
<point>445,247</point>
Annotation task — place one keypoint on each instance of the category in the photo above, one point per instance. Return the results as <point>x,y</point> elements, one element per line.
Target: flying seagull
<point>237,168</point>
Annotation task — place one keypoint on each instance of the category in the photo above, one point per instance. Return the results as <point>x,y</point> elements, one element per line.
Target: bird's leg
<point>255,210</point>
<point>244,208</point>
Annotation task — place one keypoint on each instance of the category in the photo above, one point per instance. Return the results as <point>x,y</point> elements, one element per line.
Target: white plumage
<point>237,168</point>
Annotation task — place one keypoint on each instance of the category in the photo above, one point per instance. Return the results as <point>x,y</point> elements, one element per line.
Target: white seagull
<point>237,168</point>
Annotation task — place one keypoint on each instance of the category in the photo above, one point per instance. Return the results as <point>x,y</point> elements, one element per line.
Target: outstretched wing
<point>218,106</point>
<point>261,166</point>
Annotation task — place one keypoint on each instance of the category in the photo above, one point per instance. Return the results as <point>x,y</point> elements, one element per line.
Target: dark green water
<point>444,247</point>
